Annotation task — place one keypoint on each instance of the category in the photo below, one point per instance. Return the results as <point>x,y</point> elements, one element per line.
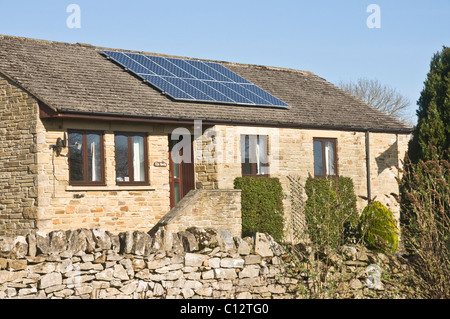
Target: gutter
<point>107,116</point>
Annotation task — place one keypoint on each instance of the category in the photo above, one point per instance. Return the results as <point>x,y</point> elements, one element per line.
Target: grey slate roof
<point>78,79</point>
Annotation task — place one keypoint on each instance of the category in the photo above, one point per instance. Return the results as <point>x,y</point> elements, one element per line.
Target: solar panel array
<point>193,80</point>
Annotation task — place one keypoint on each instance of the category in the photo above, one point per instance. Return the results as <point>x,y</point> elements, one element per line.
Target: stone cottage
<point>91,137</point>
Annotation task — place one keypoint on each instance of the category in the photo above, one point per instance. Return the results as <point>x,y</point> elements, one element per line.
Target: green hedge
<point>378,228</point>
<point>262,206</point>
<point>330,211</point>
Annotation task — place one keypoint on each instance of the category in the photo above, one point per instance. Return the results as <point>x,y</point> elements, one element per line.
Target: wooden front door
<point>181,175</point>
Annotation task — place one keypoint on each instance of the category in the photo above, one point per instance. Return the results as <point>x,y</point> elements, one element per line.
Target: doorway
<point>181,174</point>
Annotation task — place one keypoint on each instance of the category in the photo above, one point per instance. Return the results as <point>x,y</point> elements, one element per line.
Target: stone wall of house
<point>291,154</point>
<point>217,209</point>
<point>193,264</point>
<point>18,169</point>
<point>120,208</point>
<point>387,153</point>
<point>35,191</point>
<point>205,152</point>
<point>115,208</point>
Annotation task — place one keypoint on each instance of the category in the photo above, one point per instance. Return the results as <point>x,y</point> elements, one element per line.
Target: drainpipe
<point>369,190</point>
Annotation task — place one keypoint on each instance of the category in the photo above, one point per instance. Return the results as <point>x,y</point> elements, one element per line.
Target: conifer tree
<point>433,126</point>
<point>428,156</point>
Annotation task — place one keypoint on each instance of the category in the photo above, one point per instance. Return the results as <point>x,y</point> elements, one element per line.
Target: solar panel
<point>166,87</point>
<point>193,80</point>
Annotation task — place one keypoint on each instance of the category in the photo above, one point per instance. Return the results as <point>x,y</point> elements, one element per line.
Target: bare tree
<point>382,97</point>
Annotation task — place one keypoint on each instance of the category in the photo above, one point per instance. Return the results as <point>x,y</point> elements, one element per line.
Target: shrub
<point>262,206</point>
<point>378,229</point>
<point>330,211</point>
<point>425,224</point>
<point>425,202</point>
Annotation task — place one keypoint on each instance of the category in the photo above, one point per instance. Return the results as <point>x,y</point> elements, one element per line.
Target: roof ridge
<point>94,47</point>
<point>273,68</point>
<point>260,66</point>
<point>14,37</point>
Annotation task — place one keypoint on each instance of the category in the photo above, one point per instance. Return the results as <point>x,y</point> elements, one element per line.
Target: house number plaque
<point>160,164</point>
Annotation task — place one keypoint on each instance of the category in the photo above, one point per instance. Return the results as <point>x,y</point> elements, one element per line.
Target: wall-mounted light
<point>60,144</point>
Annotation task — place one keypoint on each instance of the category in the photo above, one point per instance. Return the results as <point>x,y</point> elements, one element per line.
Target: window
<point>254,155</point>
<point>131,159</point>
<point>325,159</point>
<point>86,158</point>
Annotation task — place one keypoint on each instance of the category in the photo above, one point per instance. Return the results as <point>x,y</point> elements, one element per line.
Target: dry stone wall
<point>191,264</point>
<point>94,264</point>
<point>350,272</point>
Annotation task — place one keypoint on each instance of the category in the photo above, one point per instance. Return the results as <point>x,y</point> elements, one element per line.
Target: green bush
<point>378,229</point>
<point>330,211</point>
<point>425,224</point>
<point>262,206</point>
<point>425,203</point>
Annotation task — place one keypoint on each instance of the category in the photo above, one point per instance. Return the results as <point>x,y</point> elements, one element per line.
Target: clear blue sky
<point>328,37</point>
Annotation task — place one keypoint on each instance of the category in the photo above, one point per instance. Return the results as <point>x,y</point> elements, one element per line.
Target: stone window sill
<point>114,188</point>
